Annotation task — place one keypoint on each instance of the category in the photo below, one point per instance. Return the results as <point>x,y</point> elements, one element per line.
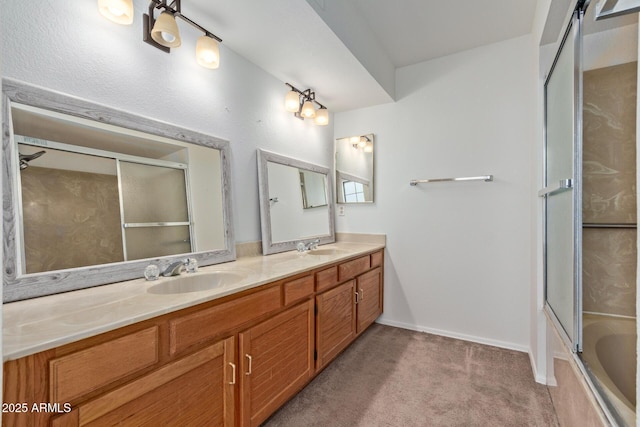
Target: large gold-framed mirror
<point>93,195</point>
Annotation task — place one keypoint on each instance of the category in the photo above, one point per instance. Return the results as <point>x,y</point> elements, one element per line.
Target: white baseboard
<point>449,334</point>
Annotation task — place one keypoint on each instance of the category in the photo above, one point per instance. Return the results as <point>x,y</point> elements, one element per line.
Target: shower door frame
<point>572,34</point>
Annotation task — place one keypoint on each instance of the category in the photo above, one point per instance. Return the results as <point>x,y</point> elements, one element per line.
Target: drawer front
<point>326,278</point>
<point>193,328</point>
<point>79,373</point>
<point>354,267</point>
<point>298,289</point>
<point>376,259</point>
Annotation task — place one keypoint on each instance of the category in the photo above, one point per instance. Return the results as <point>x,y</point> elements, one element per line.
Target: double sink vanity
<point>93,197</point>
<point>144,353</point>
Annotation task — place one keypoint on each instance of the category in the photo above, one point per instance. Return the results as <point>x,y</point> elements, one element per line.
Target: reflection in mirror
<point>89,190</point>
<point>289,215</point>
<point>354,169</point>
<point>314,189</point>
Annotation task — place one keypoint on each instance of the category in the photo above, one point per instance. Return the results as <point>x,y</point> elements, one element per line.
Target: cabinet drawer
<point>352,268</point>
<point>376,259</point>
<point>193,328</point>
<point>82,372</point>
<point>326,278</point>
<point>297,289</point>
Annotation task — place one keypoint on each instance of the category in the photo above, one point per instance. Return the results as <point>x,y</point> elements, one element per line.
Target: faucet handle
<point>191,265</point>
<point>301,247</point>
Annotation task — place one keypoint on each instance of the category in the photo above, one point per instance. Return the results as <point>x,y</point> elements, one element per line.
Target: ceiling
<point>348,50</point>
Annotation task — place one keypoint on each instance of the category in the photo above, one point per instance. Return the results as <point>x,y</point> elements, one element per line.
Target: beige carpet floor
<point>395,377</point>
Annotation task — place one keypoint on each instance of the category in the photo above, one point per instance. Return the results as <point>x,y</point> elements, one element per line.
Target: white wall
<point>69,47</point>
<point>459,254</point>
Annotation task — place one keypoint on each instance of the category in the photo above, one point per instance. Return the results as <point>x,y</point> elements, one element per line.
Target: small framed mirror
<point>93,195</point>
<point>295,202</point>
<point>354,169</point>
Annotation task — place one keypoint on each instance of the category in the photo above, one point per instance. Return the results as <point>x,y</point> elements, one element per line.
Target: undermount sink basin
<point>196,282</point>
<point>326,251</point>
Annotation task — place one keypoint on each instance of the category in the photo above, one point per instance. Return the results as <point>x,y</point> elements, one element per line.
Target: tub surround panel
<point>572,398</point>
<point>609,144</point>
<point>40,324</point>
<point>609,271</point>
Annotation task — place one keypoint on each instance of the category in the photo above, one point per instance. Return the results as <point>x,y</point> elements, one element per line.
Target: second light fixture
<point>301,104</point>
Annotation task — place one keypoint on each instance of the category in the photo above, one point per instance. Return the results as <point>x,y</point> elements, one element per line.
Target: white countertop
<point>43,323</point>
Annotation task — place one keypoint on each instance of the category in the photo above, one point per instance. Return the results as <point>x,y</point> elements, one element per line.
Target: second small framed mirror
<point>354,169</point>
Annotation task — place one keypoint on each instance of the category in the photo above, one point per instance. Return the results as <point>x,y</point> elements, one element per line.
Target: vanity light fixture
<point>162,32</point>
<point>301,104</point>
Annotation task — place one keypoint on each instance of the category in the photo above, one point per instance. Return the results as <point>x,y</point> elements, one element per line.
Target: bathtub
<point>609,353</point>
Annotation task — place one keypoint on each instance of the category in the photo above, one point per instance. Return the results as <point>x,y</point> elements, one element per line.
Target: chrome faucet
<point>313,244</point>
<point>174,269</point>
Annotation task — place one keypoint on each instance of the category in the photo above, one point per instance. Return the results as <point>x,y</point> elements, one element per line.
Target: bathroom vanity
<point>228,356</point>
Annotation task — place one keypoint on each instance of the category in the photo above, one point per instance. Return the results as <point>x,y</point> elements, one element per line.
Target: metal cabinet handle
<point>361,294</point>
<point>233,373</point>
<point>250,361</point>
<point>357,296</point>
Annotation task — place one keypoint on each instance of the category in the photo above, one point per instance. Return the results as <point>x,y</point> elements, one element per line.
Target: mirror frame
<point>268,245</point>
<point>19,286</point>
<point>371,136</point>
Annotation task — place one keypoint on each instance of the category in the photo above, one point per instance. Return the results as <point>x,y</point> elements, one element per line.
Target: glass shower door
<point>562,195</point>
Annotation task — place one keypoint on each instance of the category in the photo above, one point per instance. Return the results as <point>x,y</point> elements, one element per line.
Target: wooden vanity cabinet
<point>227,362</point>
<point>369,298</point>
<point>195,390</point>
<point>276,359</point>
<point>335,321</point>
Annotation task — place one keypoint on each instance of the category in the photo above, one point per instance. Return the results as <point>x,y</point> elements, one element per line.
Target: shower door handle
<point>562,185</point>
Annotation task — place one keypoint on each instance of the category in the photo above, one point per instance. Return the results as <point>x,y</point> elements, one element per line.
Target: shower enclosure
<point>590,202</point>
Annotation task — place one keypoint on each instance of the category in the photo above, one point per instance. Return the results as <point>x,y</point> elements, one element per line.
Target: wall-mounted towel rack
<point>485,178</point>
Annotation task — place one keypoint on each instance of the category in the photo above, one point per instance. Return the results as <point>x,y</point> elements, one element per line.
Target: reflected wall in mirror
<point>354,169</point>
<point>294,203</point>
<point>93,195</point>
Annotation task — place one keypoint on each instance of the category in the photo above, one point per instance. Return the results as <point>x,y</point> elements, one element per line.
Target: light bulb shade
<point>118,11</point>
<point>208,52</point>
<point>368,148</point>
<point>292,101</point>
<point>165,31</point>
<point>308,112</point>
<point>363,142</point>
<point>322,117</point>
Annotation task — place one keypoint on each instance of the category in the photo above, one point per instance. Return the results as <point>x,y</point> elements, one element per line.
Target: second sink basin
<point>197,282</point>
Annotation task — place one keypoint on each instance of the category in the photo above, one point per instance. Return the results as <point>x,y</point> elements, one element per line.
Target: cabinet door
<point>335,322</point>
<point>276,359</point>
<point>196,390</point>
<point>369,307</point>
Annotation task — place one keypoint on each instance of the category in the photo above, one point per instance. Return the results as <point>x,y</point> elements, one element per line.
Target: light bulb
<point>363,142</point>
<point>308,112</point>
<point>208,52</point>
<point>118,11</point>
<point>292,101</point>
<point>368,148</point>
<point>165,31</point>
<point>322,117</point>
